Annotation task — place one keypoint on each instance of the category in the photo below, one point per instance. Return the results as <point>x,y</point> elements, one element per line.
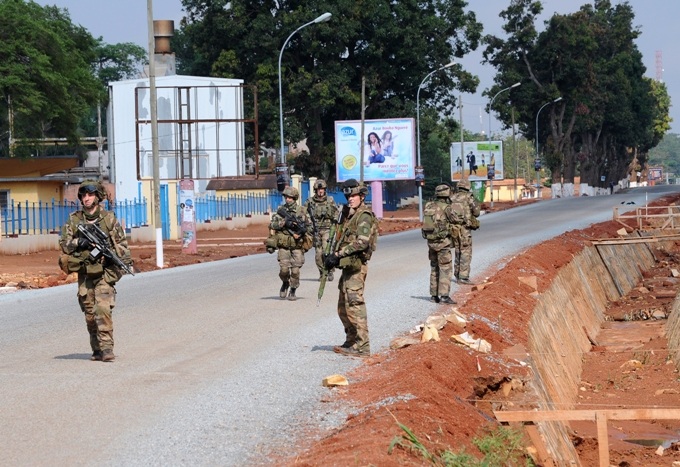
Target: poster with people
<point>387,152</point>
<point>477,160</point>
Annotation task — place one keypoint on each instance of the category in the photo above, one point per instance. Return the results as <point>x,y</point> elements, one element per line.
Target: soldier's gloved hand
<point>270,250</point>
<point>84,244</point>
<point>331,261</point>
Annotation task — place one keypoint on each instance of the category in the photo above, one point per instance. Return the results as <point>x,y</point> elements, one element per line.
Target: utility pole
<point>514,149</point>
<point>154,137</point>
<point>462,136</point>
<point>363,117</point>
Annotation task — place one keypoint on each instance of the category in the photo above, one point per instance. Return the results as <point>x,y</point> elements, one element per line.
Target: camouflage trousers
<point>352,307</point>
<point>319,246</point>
<point>463,245</point>
<point>290,262</point>
<point>441,269</point>
<point>96,299</point>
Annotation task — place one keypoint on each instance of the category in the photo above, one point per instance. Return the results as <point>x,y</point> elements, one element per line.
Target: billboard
<point>389,149</point>
<point>655,173</point>
<point>478,160</point>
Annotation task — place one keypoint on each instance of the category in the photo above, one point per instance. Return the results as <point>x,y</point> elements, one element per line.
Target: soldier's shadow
<point>73,356</point>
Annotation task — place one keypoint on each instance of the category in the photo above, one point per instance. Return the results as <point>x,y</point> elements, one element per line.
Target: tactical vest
<point>351,228</point>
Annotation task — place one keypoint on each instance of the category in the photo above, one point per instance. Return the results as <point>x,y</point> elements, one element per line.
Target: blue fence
<point>48,217</point>
<point>211,208</point>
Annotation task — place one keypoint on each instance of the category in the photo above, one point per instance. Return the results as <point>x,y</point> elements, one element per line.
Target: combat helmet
<point>464,184</point>
<point>320,184</point>
<point>92,186</point>
<point>442,191</point>
<point>353,187</point>
<point>291,192</point>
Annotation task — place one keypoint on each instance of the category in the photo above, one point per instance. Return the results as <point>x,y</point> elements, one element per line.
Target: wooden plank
<point>537,440</point>
<point>586,415</point>
<point>602,439</point>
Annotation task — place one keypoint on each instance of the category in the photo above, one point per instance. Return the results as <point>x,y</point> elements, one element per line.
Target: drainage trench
<point>567,318</point>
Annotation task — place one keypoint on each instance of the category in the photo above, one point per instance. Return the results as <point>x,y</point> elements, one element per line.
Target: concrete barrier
<point>567,317</point>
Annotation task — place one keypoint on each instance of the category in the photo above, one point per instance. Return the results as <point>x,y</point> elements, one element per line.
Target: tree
<point>608,109</point>
<point>45,72</point>
<point>393,45</point>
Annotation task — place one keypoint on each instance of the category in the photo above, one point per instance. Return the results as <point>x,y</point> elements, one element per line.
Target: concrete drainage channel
<point>563,327</point>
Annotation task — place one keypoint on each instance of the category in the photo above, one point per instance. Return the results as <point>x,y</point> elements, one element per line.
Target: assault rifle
<point>335,235</point>
<point>100,245</point>
<point>294,225</point>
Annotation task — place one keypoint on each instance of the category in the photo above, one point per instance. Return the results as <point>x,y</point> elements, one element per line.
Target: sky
<point>126,21</point>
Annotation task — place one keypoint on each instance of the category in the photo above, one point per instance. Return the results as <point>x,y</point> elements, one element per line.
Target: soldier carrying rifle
<point>95,246</point>
<point>323,212</point>
<point>290,233</point>
<point>353,241</point>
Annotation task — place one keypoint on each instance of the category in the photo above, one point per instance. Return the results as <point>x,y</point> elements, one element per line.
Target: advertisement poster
<point>187,220</point>
<point>477,161</point>
<point>389,150</point>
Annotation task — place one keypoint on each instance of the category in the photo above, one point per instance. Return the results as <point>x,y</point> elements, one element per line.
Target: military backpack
<point>435,224</point>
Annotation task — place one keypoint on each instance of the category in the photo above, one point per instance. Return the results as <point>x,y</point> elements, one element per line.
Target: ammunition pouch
<point>307,242</point>
<point>71,263</point>
<point>112,274</point>
<point>351,262</point>
<point>271,241</point>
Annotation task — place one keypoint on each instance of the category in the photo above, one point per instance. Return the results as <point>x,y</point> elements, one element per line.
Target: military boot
<point>291,294</point>
<point>284,290</point>
<point>107,355</point>
<point>448,300</point>
<point>97,356</point>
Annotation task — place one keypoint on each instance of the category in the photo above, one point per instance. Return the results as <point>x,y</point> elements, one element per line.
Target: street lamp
<point>490,106</point>
<point>420,187</point>
<point>321,19</point>
<point>537,167</point>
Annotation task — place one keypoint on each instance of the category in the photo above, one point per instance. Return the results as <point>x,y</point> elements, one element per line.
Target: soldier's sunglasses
<point>87,189</point>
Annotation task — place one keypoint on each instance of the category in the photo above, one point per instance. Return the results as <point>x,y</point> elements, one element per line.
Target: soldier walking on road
<point>324,212</point>
<point>358,240</point>
<point>290,229</point>
<point>97,276</point>
<point>463,202</point>
<point>439,222</point>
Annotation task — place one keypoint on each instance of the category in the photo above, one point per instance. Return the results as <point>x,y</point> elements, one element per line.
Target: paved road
<point>213,368</point>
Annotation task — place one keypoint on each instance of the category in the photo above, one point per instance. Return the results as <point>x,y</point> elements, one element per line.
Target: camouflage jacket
<point>278,222</point>
<point>359,234</point>
<point>464,200</point>
<point>324,210</point>
<point>107,221</point>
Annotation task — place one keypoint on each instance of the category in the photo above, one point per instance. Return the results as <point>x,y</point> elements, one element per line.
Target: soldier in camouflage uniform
<point>439,247</point>
<point>96,277</point>
<point>464,203</point>
<point>355,247</point>
<point>324,211</point>
<point>290,236</point>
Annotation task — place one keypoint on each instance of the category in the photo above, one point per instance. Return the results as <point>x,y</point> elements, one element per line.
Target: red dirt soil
<point>445,392</point>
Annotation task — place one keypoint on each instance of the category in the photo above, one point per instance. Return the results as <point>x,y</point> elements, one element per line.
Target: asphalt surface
<point>212,367</point>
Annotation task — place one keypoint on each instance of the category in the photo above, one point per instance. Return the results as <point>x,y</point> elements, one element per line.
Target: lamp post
<point>490,106</point>
<point>320,19</point>
<point>536,163</point>
<point>420,187</point>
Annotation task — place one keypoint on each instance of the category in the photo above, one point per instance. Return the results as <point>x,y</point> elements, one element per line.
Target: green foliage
<point>45,70</point>
<point>667,154</point>
<point>53,74</point>
<point>609,110</point>
<point>501,447</point>
<point>392,45</point>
